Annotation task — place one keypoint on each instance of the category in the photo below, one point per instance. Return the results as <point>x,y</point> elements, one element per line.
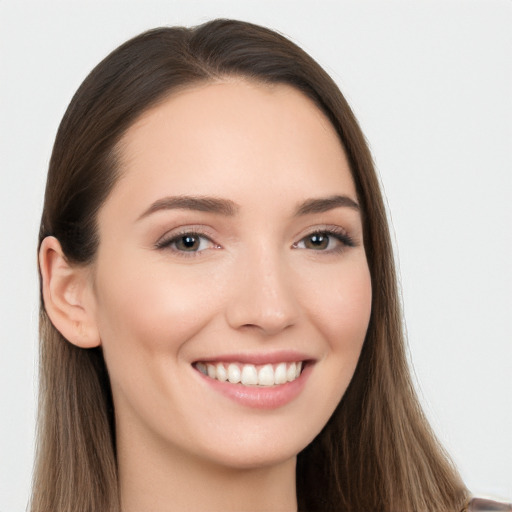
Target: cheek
<point>341,308</point>
<point>151,310</point>
<point>146,315</point>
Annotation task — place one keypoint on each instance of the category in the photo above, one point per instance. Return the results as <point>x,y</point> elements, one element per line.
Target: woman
<point>220,324</point>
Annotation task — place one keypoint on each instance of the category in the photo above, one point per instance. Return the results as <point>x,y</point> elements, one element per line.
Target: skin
<point>257,284</point>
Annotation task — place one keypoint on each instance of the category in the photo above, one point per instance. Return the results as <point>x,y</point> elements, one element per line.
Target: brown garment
<point>485,505</point>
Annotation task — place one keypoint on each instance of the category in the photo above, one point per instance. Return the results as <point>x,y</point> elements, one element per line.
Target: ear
<point>67,295</point>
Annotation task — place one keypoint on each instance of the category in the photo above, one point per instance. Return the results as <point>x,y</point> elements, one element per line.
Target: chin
<point>263,446</point>
<point>253,459</point>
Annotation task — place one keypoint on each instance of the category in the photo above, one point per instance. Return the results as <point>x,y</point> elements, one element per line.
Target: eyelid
<point>165,241</point>
<point>338,232</point>
<point>335,231</point>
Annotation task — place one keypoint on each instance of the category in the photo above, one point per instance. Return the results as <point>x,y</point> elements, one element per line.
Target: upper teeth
<point>250,374</point>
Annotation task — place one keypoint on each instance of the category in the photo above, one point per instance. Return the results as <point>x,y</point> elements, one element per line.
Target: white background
<point>431,85</point>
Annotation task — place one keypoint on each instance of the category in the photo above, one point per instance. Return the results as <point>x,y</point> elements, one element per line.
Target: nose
<point>263,298</point>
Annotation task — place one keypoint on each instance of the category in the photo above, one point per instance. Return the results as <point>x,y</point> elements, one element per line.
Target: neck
<point>165,480</point>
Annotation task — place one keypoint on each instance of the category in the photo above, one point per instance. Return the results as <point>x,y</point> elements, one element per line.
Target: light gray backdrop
<point>431,85</point>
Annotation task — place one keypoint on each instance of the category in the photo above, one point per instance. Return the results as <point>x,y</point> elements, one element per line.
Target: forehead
<point>231,137</point>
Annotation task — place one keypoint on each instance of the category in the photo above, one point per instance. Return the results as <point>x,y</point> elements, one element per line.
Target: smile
<point>266,375</point>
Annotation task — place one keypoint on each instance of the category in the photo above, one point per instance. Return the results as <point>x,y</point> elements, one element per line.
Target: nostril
<point>262,300</point>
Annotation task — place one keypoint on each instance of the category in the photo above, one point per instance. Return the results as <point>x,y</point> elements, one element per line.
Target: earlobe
<point>67,296</point>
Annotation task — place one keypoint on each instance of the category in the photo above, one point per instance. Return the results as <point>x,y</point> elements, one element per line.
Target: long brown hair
<point>377,451</point>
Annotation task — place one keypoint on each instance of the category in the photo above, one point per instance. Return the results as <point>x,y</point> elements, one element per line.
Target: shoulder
<point>487,505</point>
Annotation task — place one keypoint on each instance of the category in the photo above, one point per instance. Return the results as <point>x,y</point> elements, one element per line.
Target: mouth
<point>251,375</point>
<point>257,380</point>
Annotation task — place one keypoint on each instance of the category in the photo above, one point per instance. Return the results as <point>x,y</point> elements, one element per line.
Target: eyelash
<point>167,242</point>
<point>337,233</point>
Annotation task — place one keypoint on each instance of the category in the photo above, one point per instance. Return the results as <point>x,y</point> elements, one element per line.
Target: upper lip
<point>257,358</point>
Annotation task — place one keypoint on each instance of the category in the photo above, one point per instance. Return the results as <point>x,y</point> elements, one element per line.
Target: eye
<point>190,242</point>
<point>326,241</point>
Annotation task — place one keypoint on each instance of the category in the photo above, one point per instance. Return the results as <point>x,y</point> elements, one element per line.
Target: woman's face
<point>231,245</point>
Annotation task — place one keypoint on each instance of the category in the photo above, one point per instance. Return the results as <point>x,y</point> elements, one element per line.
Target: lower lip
<point>260,397</point>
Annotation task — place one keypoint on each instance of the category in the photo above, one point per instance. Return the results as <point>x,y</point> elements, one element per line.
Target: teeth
<point>266,375</point>
<point>290,372</point>
<point>222,374</point>
<point>280,374</point>
<point>202,368</point>
<point>212,372</point>
<point>250,375</point>
<point>234,374</point>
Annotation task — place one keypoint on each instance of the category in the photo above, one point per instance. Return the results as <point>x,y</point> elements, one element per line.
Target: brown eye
<point>187,243</point>
<point>329,241</point>
<point>317,241</point>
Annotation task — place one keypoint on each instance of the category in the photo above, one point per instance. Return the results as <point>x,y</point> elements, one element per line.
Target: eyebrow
<point>229,208</point>
<point>325,204</point>
<point>197,203</point>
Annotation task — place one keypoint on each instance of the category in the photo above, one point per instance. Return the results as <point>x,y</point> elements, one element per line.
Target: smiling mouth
<point>265,375</point>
